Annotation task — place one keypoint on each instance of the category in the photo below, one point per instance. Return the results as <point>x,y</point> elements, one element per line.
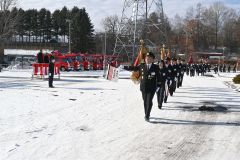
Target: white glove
<point>157,89</point>
<point>170,82</point>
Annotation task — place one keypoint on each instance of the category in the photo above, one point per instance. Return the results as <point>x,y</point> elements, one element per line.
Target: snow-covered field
<point>89,118</point>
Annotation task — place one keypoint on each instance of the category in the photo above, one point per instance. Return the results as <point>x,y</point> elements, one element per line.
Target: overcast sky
<point>99,9</point>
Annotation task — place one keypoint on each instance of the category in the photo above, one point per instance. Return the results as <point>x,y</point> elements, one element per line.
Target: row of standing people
<point>162,78</point>
<point>201,69</point>
<point>44,58</point>
<point>222,68</point>
<point>197,69</point>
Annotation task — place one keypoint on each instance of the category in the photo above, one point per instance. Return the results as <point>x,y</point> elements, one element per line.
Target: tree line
<point>212,28</point>
<point>42,26</point>
<point>215,28</point>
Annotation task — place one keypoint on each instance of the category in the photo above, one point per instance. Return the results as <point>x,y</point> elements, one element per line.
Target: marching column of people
<point>165,76</point>
<point>161,78</point>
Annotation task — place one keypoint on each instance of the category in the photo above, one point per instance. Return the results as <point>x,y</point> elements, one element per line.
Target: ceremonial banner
<point>112,73</point>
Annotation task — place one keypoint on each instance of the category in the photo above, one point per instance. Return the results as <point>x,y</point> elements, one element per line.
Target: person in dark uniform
<point>192,70</point>
<point>51,72</point>
<point>224,68</point>
<point>175,73</point>
<point>187,69</point>
<point>149,74</point>
<point>215,69</point>
<point>235,68</point>
<point>182,70</point>
<point>46,58</point>
<point>198,69</point>
<point>221,68</point>
<point>162,80</point>
<point>170,78</point>
<point>229,68</point>
<point>40,57</point>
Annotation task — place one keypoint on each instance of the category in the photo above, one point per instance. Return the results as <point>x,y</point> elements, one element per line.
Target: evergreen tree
<point>41,23</point>
<point>63,24</point>
<point>48,26</point>
<point>56,22</point>
<point>34,25</point>
<point>82,31</point>
<point>27,24</point>
<point>20,24</point>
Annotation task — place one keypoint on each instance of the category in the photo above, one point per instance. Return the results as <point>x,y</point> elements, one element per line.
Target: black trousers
<point>50,81</point>
<point>160,95</point>
<point>181,79</point>
<point>147,101</point>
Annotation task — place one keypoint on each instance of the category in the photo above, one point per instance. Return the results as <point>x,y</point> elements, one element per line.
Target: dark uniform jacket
<point>163,76</point>
<point>40,57</point>
<point>175,70</point>
<point>170,74</point>
<point>149,78</point>
<point>46,59</point>
<point>51,68</point>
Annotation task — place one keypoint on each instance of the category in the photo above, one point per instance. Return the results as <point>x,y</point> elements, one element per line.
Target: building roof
<point>209,53</point>
<point>23,52</point>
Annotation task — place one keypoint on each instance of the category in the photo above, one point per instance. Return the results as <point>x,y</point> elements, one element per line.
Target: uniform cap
<point>150,54</point>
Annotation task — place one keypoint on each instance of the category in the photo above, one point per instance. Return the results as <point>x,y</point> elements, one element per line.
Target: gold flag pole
<point>169,53</point>
<point>163,53</point>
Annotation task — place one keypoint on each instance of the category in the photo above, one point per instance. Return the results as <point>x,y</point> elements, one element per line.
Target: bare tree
<point>217,15</point>
<point>7,4</point>
<point>110,25</point>
<point>8,19</point>
<point>230,29</point>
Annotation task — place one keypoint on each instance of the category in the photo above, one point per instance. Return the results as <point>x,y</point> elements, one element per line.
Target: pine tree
<point>48,25</point>
<point>41,23</point>
<point>34,25</point>
<point>27,24</point>
<point>63,24</point>
<point>56,22</point>
<point>20,24</point>
<point>82,31</point>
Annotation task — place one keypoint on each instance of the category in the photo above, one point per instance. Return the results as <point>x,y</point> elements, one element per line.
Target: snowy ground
<point>94,119</point>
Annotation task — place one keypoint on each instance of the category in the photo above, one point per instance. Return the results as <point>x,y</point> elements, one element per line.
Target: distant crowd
<point>202,68</point>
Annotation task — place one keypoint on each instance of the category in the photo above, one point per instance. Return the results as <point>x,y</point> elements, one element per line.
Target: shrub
<point>237,79</point>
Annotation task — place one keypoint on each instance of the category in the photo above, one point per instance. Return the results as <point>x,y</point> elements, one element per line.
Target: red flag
<point>141,56</point>
<point>136,63</point>
<point>190,60</point>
